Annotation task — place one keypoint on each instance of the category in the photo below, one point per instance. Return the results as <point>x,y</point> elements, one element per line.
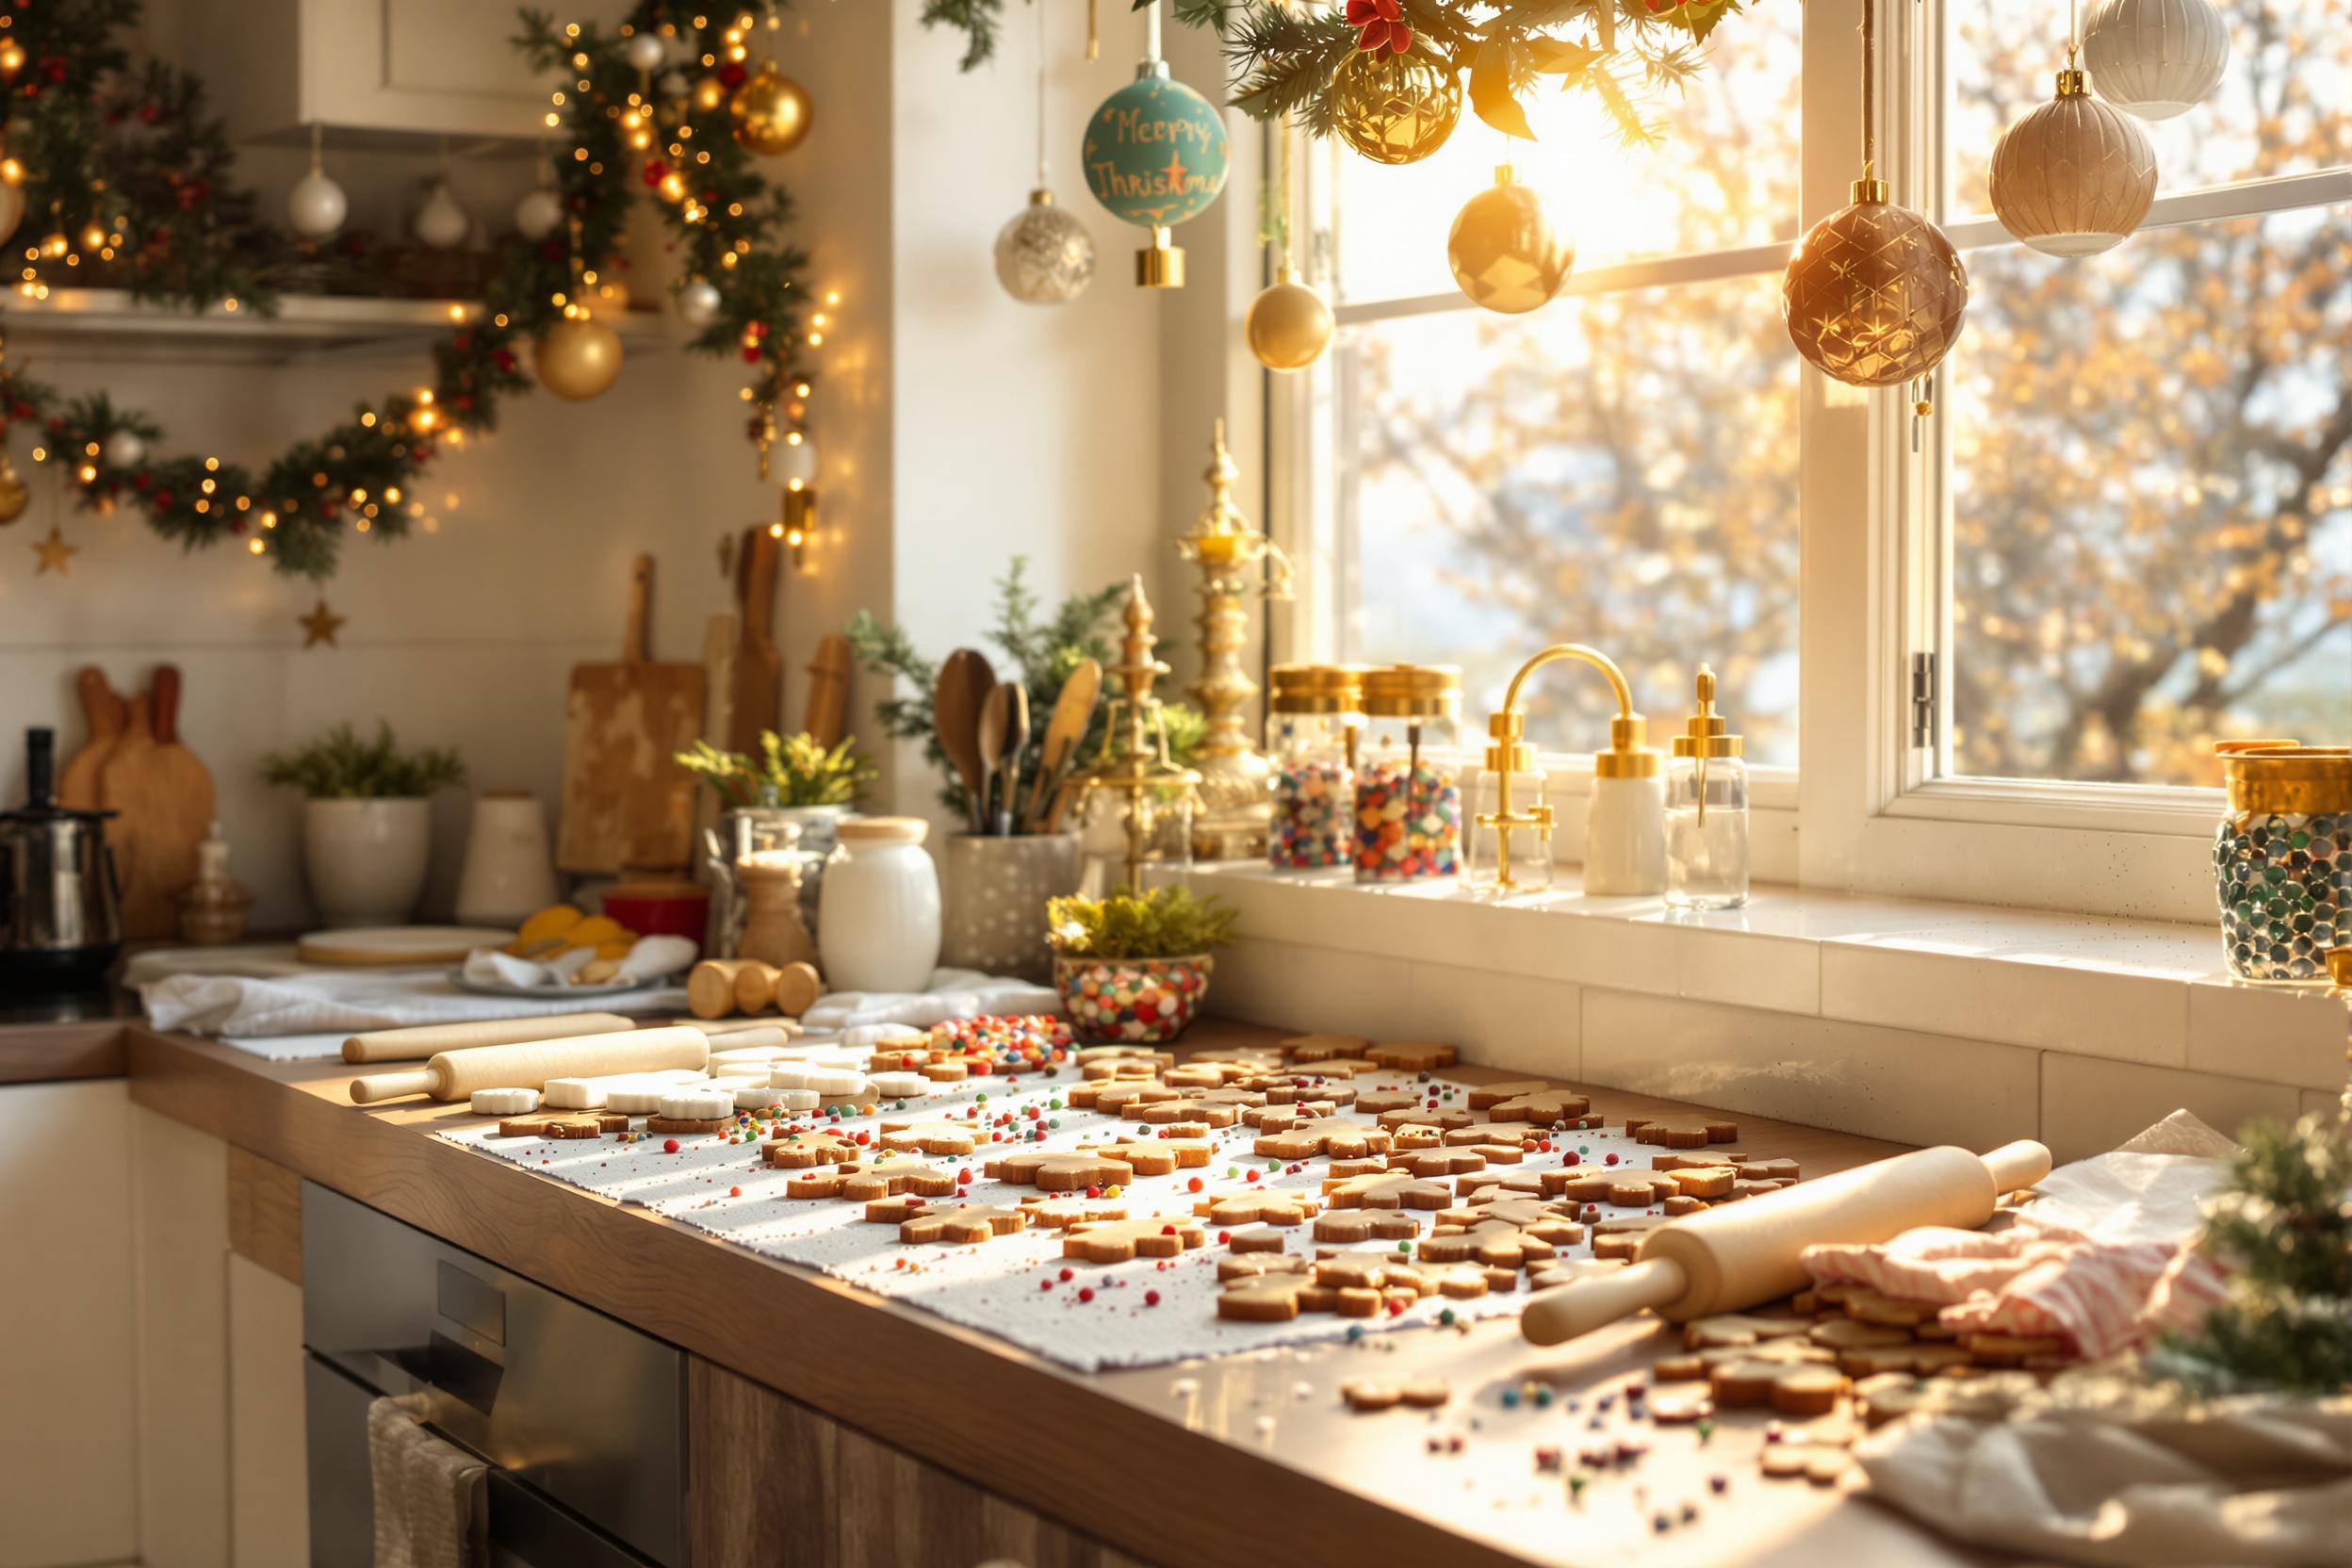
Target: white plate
<point>397,944</point>
<point>555,992</point>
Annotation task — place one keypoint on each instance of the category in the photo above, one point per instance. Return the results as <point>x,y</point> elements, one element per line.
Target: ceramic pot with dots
<point>997,889</point>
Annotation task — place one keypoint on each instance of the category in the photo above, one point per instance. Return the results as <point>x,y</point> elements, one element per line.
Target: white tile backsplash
<point>2089,1106</point>
<point>2286,1033</point>
<point>1517,1022</point>
<point>2052,1005</point>
<point>1291,987</point>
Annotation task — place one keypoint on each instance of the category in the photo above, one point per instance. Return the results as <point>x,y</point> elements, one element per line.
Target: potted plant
<point>367,821</point>
<point>1134,967</point>
<point>789,800</point>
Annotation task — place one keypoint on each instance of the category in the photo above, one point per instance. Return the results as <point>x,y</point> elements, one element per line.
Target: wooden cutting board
<point>756,681</point>
<point>106,714</point>
<point>827,718</point>
<point>626,800</point>
<point>154,844</point>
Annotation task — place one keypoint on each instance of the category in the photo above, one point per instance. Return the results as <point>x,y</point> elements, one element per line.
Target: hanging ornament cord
<point>1151,33</point>
<point>1870,91</point>
<point>1094,33</point>
<point>1039,6</point>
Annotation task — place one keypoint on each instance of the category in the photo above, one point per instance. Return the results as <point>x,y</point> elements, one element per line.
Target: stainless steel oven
<point>580,1418</point>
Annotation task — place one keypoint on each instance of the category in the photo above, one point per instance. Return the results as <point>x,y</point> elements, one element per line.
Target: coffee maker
<point>60,897</point>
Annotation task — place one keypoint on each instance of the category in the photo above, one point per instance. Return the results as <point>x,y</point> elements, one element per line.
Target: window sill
<point>2149,992</point>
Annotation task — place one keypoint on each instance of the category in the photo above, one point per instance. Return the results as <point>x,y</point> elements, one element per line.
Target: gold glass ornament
<point>1394,108</point>
<point>579,358</point>
<point>14,495</point>
<point>770,112</point>
<point>1289,325</point>
<point>1874,294</point>
<point>12,206</point>
<point>1504,254</point>
<point>2073,177</point>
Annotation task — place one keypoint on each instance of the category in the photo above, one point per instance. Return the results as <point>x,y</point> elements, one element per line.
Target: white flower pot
<point>508,873</point>
<point>366,860</point>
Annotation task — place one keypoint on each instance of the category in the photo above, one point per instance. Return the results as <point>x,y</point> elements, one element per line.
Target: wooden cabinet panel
<point>268,1470</point>
<point>266,1215</point>
<point>773,1481</point>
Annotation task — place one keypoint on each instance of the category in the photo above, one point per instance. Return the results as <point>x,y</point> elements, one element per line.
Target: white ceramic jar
<point>878,922</point>
<point>508,871</point>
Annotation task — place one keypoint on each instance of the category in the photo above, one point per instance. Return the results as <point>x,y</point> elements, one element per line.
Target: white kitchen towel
<point>348,1001</point>
<point>429,1509</point>
<point>953,993</point>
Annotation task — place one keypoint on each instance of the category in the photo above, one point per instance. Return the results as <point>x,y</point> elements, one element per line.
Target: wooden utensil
<point>965,681</point>
<point>427,1040</point>
<point>720,635</point>
<point>1073,710</point>
<point>756,683</point>
<point>107,716</point>
<point>827,717</point>
<point>626,800</point>
<point>1014,740</point>
<point>456,1074</point>
<point>1745,1253</point>
<point>995,726</point>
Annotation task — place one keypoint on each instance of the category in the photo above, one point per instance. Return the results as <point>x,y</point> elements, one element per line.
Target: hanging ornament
<point>1504,254</point>
<point>1044,256</point>
<point>11,199</point>
<point>2073,177</point>
<point>1289,325</point>
<point>698,303</point>
<point>540,213</point>
<point>2155,59</point>
<point>644,52</point>
<point>320,626</point>
<point>796,461</point>
<point>15,496</point>
<point>770,112</point>
<point>56,554</point>
<point>1154,154</point>
<point>579,358</point>
<point>124,450</point>
<point>1874,294</point>
<point>1395,108</point>
<point>440,222</point>
<point>315,206</point>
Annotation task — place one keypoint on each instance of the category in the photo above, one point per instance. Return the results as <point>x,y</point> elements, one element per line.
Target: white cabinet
<point>381,72</point>
<point>68,1479</point>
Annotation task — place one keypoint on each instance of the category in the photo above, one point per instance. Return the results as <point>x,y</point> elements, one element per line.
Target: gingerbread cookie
<point>888,1177</point>
<point>1353,1227</point>
<point>1059,1213</point>
<point>1365,1394</point>
<point>800,1150</point>
<point>685,1125</point>
<point>1486,1186</point>
<point>1740,1329</point>
<point>1379,1102</point>
<point>1633,1190</point>
<point>1275,1298</point>
<point>1112,1099</point>
<point>1437,1162</point>
<point>1251,1265</point>
<point>1218,1107</point>
<point>1156,1156</point>
<point>563,1125</point>
<point>1411,1056</point>
<point>1282,1119</point>
<point>1484,1097</point>
<point>1060,1172</point>
<point>1118,1240</point>
<point>1387,1190</point>
<point>1542,1106</point>
<point>1258,1207</point>
<point>1257,1238</point>
<point>1489,1242</point>
<point>1442,1118</point>
<point>1703,1180</point>
<point>1682,1133</point>
<point>931,1138</point>
<point>1298,1091</point>
<point>1324,1048</point>
<point>964,1227</point>
<point>1324,1136</point>
<point>897,1210</point>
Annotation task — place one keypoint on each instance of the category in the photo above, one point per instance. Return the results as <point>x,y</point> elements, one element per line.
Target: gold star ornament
<point>56,554</point>
<point>319,626</point>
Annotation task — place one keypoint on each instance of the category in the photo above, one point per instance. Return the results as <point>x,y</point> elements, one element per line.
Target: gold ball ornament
<point>579,358</point>
<point>1289,325</point>
<point>770,112</point>
<point>1504,254</point>
<point>1874,294</point>
<point>15,494</point>
<point>12,206</point>
<point>2074,177</point>
<point>1394,108</point>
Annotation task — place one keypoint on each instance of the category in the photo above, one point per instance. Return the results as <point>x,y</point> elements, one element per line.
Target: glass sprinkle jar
<point>1408,797</point>
<point>2282,858</point>
<point>1313,715</point>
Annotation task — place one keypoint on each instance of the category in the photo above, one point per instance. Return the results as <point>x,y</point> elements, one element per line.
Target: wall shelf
<point>305,326</point>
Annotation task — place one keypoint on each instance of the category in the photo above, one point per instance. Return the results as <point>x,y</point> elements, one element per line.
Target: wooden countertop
<point>1213,1462</point>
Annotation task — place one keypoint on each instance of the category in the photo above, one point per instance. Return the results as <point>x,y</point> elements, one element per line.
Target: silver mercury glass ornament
<point>1044,256</point>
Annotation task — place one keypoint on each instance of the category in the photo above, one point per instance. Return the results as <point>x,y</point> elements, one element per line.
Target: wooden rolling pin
<point>1742,1254</point>
<point>429,1039</point>
<point>528,1064</point>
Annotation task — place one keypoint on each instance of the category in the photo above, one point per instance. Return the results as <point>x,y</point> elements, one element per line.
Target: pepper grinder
<point>1706,811</point>
<point>213,908</point>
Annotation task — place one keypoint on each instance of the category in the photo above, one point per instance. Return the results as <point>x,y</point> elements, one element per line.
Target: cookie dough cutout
<point>1060,1213</point>
<point>1258,1208</point>
<point>930,1137</point>
<point>1156,1156</point>
<point>1341,1140</point>
<point>1390,1190</point>
<point>1324,1048</point>
<point>1541,1106</point>
<point>803,1150</point>
<point>1411,1056</point>
<point>1353,1227</point>
<point>503,1102</point>
<point>563,1125</point>
<point>964,1227</point>
<point>1059,1172</point>
<point>1118,1240</point>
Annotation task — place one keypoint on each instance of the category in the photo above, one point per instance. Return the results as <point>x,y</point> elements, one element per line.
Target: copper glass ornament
<point>2073,177</point>
<point>1394,108</point>
<point>1874,294</point>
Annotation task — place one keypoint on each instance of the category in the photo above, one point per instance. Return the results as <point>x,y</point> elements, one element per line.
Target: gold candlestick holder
<point>1154,797</point>
<point>1237,564</point>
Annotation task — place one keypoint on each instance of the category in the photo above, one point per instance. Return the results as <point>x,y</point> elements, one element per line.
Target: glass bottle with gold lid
<point>1314,716</point>
<point>2282,860</point>
<point>1408,795</point>
<point>1706,810</point>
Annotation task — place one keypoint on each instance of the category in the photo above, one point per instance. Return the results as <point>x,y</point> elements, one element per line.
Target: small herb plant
<point>791,769</point>
<point>1166,923</point>
<point>341,766</point>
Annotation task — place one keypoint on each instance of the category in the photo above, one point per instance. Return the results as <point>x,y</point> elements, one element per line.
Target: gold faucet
<point>1509,753</point>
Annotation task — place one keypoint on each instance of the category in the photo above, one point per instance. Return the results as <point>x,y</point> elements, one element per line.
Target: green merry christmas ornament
<point>1155,156</point>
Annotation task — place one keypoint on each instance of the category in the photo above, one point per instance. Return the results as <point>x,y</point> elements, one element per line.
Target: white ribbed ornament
<point>2074,177</point>
<point>2155,59</point>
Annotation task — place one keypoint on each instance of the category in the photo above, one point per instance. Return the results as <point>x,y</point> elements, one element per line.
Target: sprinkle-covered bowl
<point>1132,1000</point>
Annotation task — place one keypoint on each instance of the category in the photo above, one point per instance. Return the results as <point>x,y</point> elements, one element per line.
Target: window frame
<point>1877,815</point>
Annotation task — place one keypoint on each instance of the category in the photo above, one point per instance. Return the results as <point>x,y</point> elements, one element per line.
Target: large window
<point>2124,533</point>
<point>1619,469</point>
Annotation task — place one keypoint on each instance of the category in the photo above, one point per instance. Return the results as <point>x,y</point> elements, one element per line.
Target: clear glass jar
<point>1408,793</point>
<point>1312,721</point>
<point>1706,811</point>
<point>1508,859</point>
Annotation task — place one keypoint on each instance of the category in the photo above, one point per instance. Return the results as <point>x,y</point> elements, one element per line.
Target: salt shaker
<point>1706,811</point>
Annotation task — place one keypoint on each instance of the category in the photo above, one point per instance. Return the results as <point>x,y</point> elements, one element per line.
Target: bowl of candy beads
<point>1133,968</point>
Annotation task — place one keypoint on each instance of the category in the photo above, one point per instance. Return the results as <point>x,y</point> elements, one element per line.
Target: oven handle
<point>530,1530</point>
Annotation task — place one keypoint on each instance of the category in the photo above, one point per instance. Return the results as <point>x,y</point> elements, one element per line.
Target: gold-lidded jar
<point>1408,797</point>
<point>2282,858</point>
<point>1313,715</point>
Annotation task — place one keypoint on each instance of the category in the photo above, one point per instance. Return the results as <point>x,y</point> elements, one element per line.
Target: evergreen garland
<point>127,167</point>
<point>2285,1225</point>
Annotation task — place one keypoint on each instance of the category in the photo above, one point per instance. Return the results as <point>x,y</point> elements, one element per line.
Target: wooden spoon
<point>1073,710</point>
<point>995,714</point>
<point>1015,742</point>
<point>965,681</point>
